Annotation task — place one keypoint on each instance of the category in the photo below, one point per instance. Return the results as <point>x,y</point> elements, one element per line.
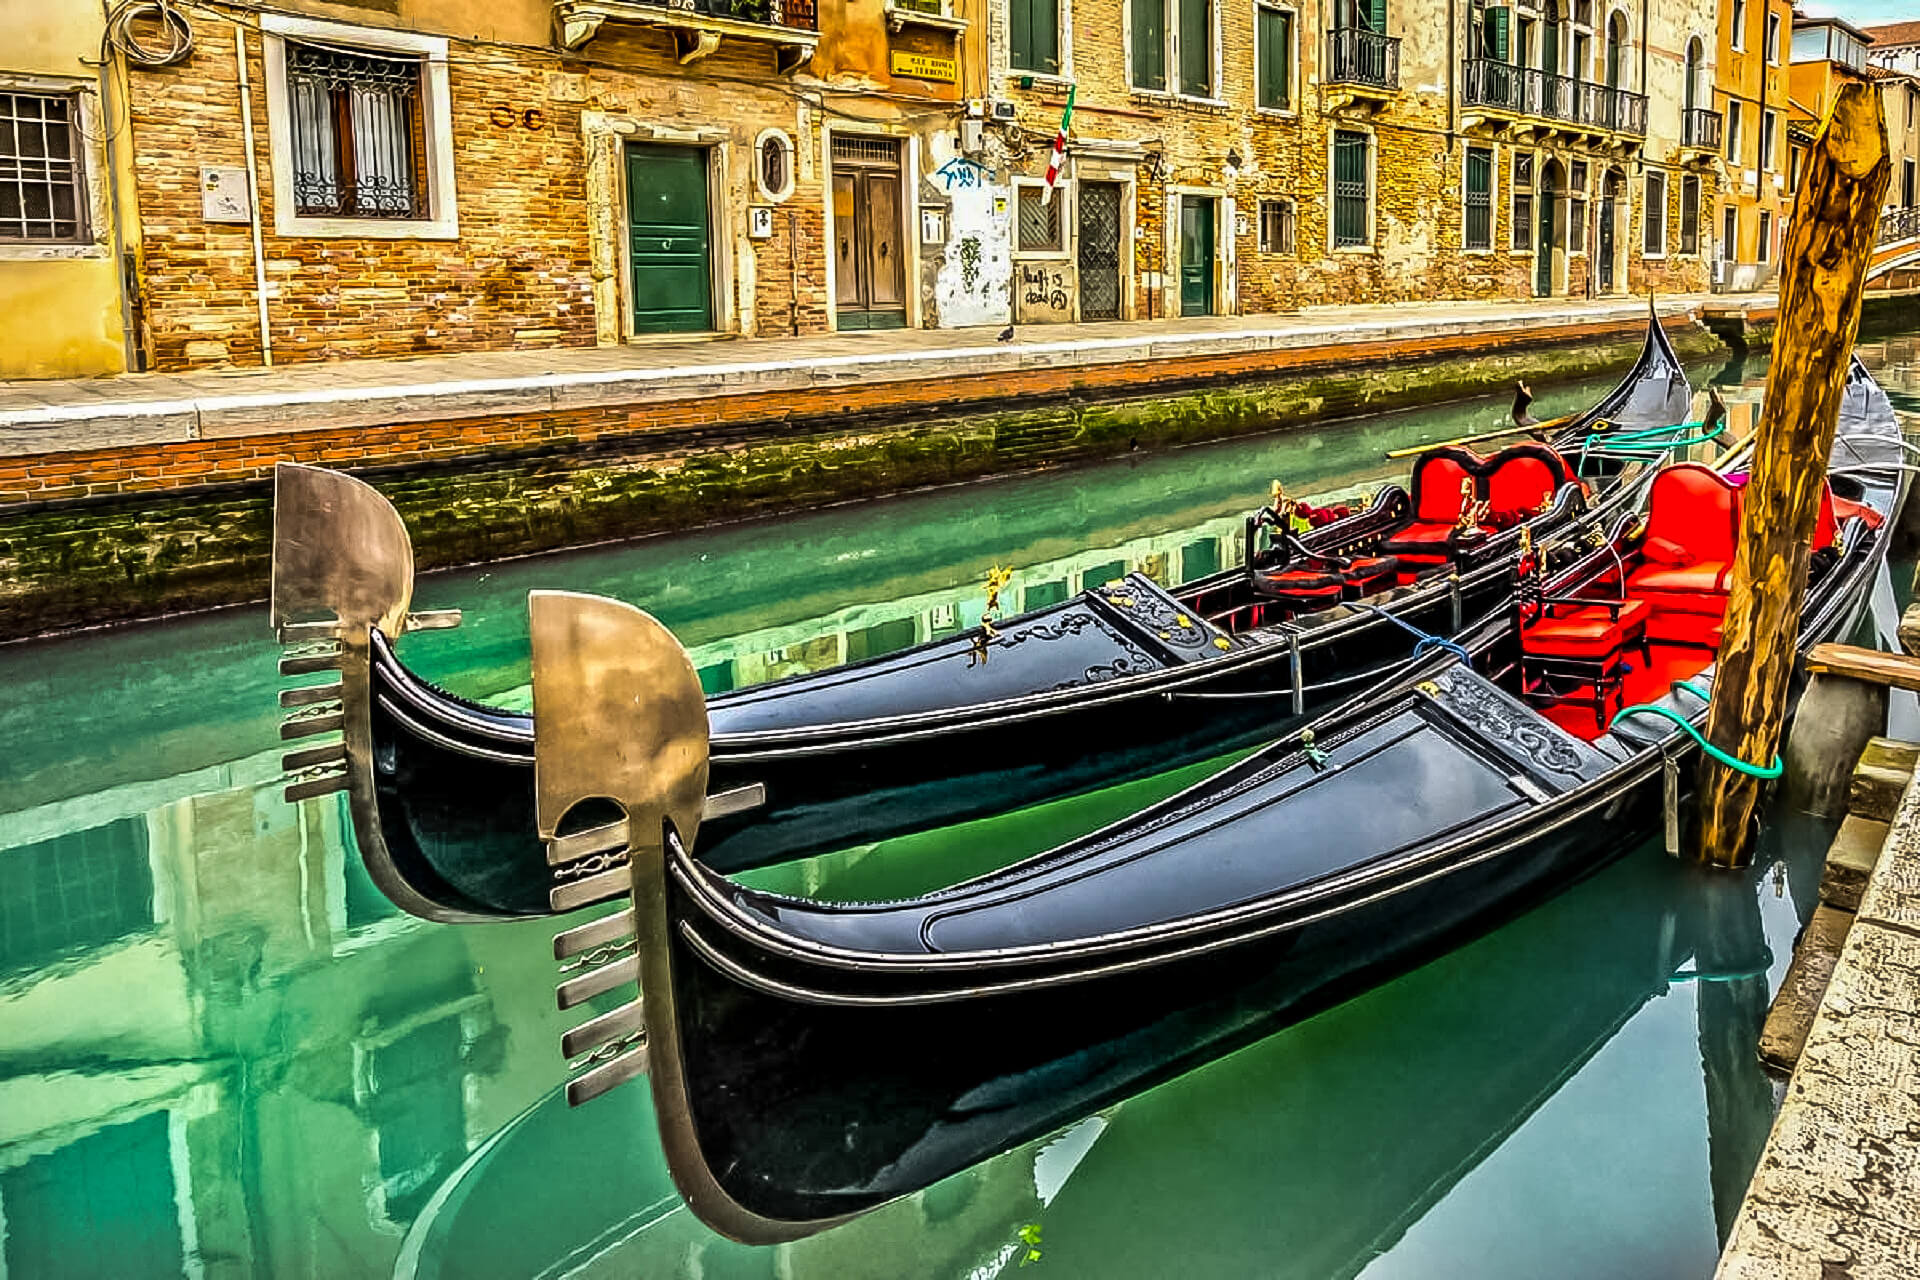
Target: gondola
<point>1118,682</point>
<point>1443,799</point>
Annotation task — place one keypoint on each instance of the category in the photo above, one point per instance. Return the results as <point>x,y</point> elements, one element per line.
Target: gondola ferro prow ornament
<point>619,716</point>
<point>342,568</point>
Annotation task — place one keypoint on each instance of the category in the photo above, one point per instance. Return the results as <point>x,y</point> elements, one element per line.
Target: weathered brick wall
<point>518,276</point>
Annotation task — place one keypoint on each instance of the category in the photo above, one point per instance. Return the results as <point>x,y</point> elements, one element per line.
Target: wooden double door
<point>869,234</point>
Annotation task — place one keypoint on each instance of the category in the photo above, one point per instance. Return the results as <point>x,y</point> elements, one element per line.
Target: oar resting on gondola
<point>1447,796</point>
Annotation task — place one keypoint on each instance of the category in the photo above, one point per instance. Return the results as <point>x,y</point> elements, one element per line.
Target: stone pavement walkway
<point>150,408</point>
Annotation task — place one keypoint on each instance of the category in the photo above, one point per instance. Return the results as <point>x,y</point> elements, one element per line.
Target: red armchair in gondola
<point>1461,498</point>
<point>1297,577</point>
<point>1573,648</point>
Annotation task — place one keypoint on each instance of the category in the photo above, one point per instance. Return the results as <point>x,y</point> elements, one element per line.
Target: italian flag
<point>1059,156</point>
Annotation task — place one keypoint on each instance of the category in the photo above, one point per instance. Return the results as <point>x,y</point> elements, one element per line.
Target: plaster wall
<point>60,312</point>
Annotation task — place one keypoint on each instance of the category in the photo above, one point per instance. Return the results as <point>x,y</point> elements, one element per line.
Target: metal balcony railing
<point>801,15</point>
<point>1700,127</point>
<point>1356,56</point>
<point>1533,92</point>
<point>1899,224</point>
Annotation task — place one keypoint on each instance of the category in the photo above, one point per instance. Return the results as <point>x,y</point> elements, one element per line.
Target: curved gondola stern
<point>619,717</point>
<point>342,569</point>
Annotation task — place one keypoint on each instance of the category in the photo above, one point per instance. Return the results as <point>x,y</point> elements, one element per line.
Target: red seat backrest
<point>1693,506</point>
<point>1436,486</point>
<point>1521,485</point>
<point>1824,524</point>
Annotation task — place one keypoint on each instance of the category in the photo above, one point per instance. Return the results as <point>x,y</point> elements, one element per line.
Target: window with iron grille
<point>359,146</point>
<point>1576,224</point>
<point>1522,201</point>
<point>1653,226</point>
<point>1276,226</point>
<point>1039,221</point>
<point>1351,194</point>
<point>1577,176</point>
<point>1479,198</point>
<point>1690,214</point>
<point>42,188</point>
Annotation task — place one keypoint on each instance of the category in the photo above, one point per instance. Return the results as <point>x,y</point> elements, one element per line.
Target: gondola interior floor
<point>1648,678</point>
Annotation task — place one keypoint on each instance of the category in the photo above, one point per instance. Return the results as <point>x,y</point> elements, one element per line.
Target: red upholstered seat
<point>1520,485</point>
<point>1693,517</point>
<point>1436,485</point>
<point>1684,582</point>
<point>1588,631</point>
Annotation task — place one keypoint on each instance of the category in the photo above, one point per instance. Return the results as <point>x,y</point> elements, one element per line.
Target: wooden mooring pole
<point>1823,269</point>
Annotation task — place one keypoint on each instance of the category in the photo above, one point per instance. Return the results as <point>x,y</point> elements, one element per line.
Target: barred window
<point>1039,221</point>
<point>1576,223</point>
<point>1351,194</point>
<point>1479,234</point>
<point>359,144</point>
<point>41,194</point>
<point>1276,226</point>
<point>1577,176</point>
<point>1522,201</point>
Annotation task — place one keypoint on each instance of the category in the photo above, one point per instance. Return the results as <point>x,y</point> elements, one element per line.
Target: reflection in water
<point>222,1054</point>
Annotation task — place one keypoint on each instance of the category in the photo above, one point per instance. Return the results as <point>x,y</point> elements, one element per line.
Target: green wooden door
<point>669,242</point>
<point>1196,255</point>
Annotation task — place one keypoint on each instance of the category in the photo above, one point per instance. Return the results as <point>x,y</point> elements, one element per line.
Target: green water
<point>223,1055</point>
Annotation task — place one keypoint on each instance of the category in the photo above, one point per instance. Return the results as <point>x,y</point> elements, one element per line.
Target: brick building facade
<point>381,178</point>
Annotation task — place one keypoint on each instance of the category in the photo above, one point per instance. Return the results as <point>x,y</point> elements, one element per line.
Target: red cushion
<point>1660,551</point>
<point>1698,588</point>
<point>1520,484</point>
<point>1847,509</point>
<point>1299,579</point>
<point>1693,507</point>
<point>1419,538</point>
<point>1436,488</point>
<point>1583,631</point>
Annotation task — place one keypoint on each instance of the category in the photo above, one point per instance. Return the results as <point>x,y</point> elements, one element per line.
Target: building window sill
<point>1278,113</point>
<point>899,18</point>
<point>367,228</point>
<point>28,251</point>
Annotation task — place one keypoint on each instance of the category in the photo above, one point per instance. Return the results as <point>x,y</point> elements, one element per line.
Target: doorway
<point>1196,256</point>
<point>868,238</point>
<point>1098,250</point>
<point>669,239</point>
<point>1546,242</point>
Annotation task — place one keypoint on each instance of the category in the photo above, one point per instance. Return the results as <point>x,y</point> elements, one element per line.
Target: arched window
<point>1617,49</point>
<point>773,164</point>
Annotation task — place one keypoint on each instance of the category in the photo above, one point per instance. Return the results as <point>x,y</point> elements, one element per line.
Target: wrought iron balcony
<point>1529,91</point>
<point>699,25</point>
<point>1899,224</point>
<point>1700,127</point>
<point>1364,58</point>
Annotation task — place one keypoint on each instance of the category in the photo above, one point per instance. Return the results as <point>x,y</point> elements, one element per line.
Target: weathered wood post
<point>1835,220</point>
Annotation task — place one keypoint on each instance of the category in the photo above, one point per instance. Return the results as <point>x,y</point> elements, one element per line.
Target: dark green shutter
<point>1496,30</point>
<point>1034,35</point>
<point>1276,60</point>
<point>1196,48</point>
<point>1150,44</point>
<point>1377,16</point>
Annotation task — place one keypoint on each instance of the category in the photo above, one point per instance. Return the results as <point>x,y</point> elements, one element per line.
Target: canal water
<point>222,1054</point>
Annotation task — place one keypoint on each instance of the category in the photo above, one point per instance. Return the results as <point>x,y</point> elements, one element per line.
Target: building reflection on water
<point>223,1054</point>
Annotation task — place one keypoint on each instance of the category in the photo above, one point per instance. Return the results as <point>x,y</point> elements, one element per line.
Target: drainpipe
<point>253,196</point>
<point>1453,72</point>
<point>129,339</point>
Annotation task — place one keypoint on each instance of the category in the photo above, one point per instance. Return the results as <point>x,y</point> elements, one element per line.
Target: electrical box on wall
<point>1001,109</point>
<point>976,108</point>
<point>760,221</point>
<point>972,136</point>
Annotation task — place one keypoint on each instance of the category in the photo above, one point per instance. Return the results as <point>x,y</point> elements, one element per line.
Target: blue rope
<point>1732,762</point>
<point>1428,641</point>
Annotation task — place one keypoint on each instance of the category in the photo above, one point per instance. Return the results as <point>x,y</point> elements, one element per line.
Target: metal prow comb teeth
<point>618,716</point>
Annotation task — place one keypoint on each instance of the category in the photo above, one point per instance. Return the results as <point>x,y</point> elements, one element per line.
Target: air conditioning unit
<point>1001,109</point>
